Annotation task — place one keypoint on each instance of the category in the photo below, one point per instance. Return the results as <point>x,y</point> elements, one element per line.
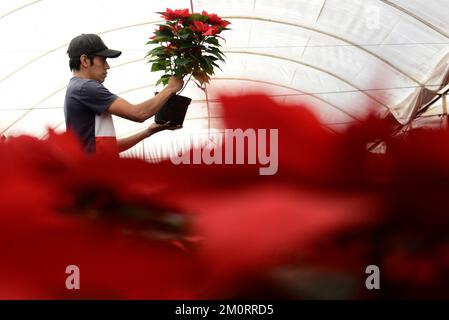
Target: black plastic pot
<point>174,110</point>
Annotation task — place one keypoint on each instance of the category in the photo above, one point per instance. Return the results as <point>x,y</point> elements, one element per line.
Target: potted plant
<point>187,45</point>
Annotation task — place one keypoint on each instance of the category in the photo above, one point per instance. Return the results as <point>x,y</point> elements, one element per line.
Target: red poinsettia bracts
<point>212,31</point>
<point>197,50</point>
<point>215,20</point>
<point>161,231</point>
<point>199,26</point>
<point>178,14</point>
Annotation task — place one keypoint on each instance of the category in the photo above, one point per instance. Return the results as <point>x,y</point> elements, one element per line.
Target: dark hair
<point>75,63</point>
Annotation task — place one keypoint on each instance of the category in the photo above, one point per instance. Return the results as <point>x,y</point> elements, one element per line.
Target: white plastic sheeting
<point>345,57</point>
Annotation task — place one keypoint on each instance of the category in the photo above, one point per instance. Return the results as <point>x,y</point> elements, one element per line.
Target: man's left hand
<point>154,127</point>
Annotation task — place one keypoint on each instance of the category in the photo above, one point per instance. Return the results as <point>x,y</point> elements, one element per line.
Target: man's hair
<point>75,63</point>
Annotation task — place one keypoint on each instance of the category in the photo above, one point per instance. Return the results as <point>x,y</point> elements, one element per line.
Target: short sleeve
<point>96,97</point>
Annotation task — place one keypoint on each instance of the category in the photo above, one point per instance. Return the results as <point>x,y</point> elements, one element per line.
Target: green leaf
<point>157,51</point>
<point>179,72</point>
<point>166,33</point>
<point>182,61</point>
<point>157,67</point>
<point>217,53</point>
<point>206,64</point>
<point>164,79</point>
<point>185,45</point>
<point>216,65</point>
<point>186,36</point>
<point>213,41</point>
<point>185,33</point>
<point>199,17</point>
<point>163,38</point>
<point>165,63</point>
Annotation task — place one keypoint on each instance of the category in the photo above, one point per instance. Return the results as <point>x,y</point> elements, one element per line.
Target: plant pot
<point>174,110</point>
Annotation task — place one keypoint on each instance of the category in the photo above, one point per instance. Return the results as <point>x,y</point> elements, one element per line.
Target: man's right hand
<point>175,84</point>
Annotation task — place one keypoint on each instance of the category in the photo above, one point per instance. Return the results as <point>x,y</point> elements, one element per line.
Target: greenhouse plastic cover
<point>344,58</point>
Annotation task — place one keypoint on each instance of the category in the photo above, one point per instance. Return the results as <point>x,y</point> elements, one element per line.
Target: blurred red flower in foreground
<point>160,231</point>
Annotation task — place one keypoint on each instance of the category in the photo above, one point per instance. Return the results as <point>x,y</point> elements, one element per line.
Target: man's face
<point>98,69</point>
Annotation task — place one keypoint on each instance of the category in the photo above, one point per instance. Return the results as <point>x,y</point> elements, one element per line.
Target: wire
<point>275,47</point>
<point>348,45</point>
<point>273,95</point>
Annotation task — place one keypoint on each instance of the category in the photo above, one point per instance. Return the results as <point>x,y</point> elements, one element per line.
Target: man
<point>89,106</point>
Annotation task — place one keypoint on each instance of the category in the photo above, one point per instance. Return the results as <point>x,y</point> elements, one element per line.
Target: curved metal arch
<point>20,8</point>
<point>228,51</point>
<point>313,67</point>
<point>243,18</point>
<point>264,82</point>
<point>54,93</point>
<point>387,2</point>
<point>241,79</point>
<point>325,125</point>
<point>294,61</point>
<point>257,81</point>
<point>32,108</point>
<point>416,17</point>
<point>66,44</point>
<point>297,25</point>
<point>296,90</point>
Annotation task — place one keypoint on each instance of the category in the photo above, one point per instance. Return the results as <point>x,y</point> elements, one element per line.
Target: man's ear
<point>84,61</point>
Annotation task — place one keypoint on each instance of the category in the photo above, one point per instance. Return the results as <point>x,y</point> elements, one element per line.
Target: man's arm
<point>131,141</point>
<point>128,142</point>
<point>142,111</point>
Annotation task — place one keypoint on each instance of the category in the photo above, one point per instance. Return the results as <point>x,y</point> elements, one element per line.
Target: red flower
<point>199,26</point>
<point>332,208</point>
<point>224,23</point>
<point>43,225</point>
<point>258,215</point>
<point>212,31</point>
<point>177,14</point>
<point>215,20</point>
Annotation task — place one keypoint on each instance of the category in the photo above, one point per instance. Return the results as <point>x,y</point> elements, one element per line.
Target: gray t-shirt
<point>85,104</point>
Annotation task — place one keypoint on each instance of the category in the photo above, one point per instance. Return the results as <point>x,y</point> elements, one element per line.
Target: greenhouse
<point>344,101</point>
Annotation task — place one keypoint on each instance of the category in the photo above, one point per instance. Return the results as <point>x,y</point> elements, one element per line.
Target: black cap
<point>90,44</point>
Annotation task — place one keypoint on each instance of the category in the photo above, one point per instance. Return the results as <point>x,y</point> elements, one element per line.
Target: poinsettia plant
<point>187,44</point>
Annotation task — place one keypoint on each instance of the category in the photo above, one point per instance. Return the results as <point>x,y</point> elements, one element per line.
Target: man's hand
<point>154,127</point>
<point>175,84</point>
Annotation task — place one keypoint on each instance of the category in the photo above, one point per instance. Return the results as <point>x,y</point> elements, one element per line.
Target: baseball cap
<point>90,44</point>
